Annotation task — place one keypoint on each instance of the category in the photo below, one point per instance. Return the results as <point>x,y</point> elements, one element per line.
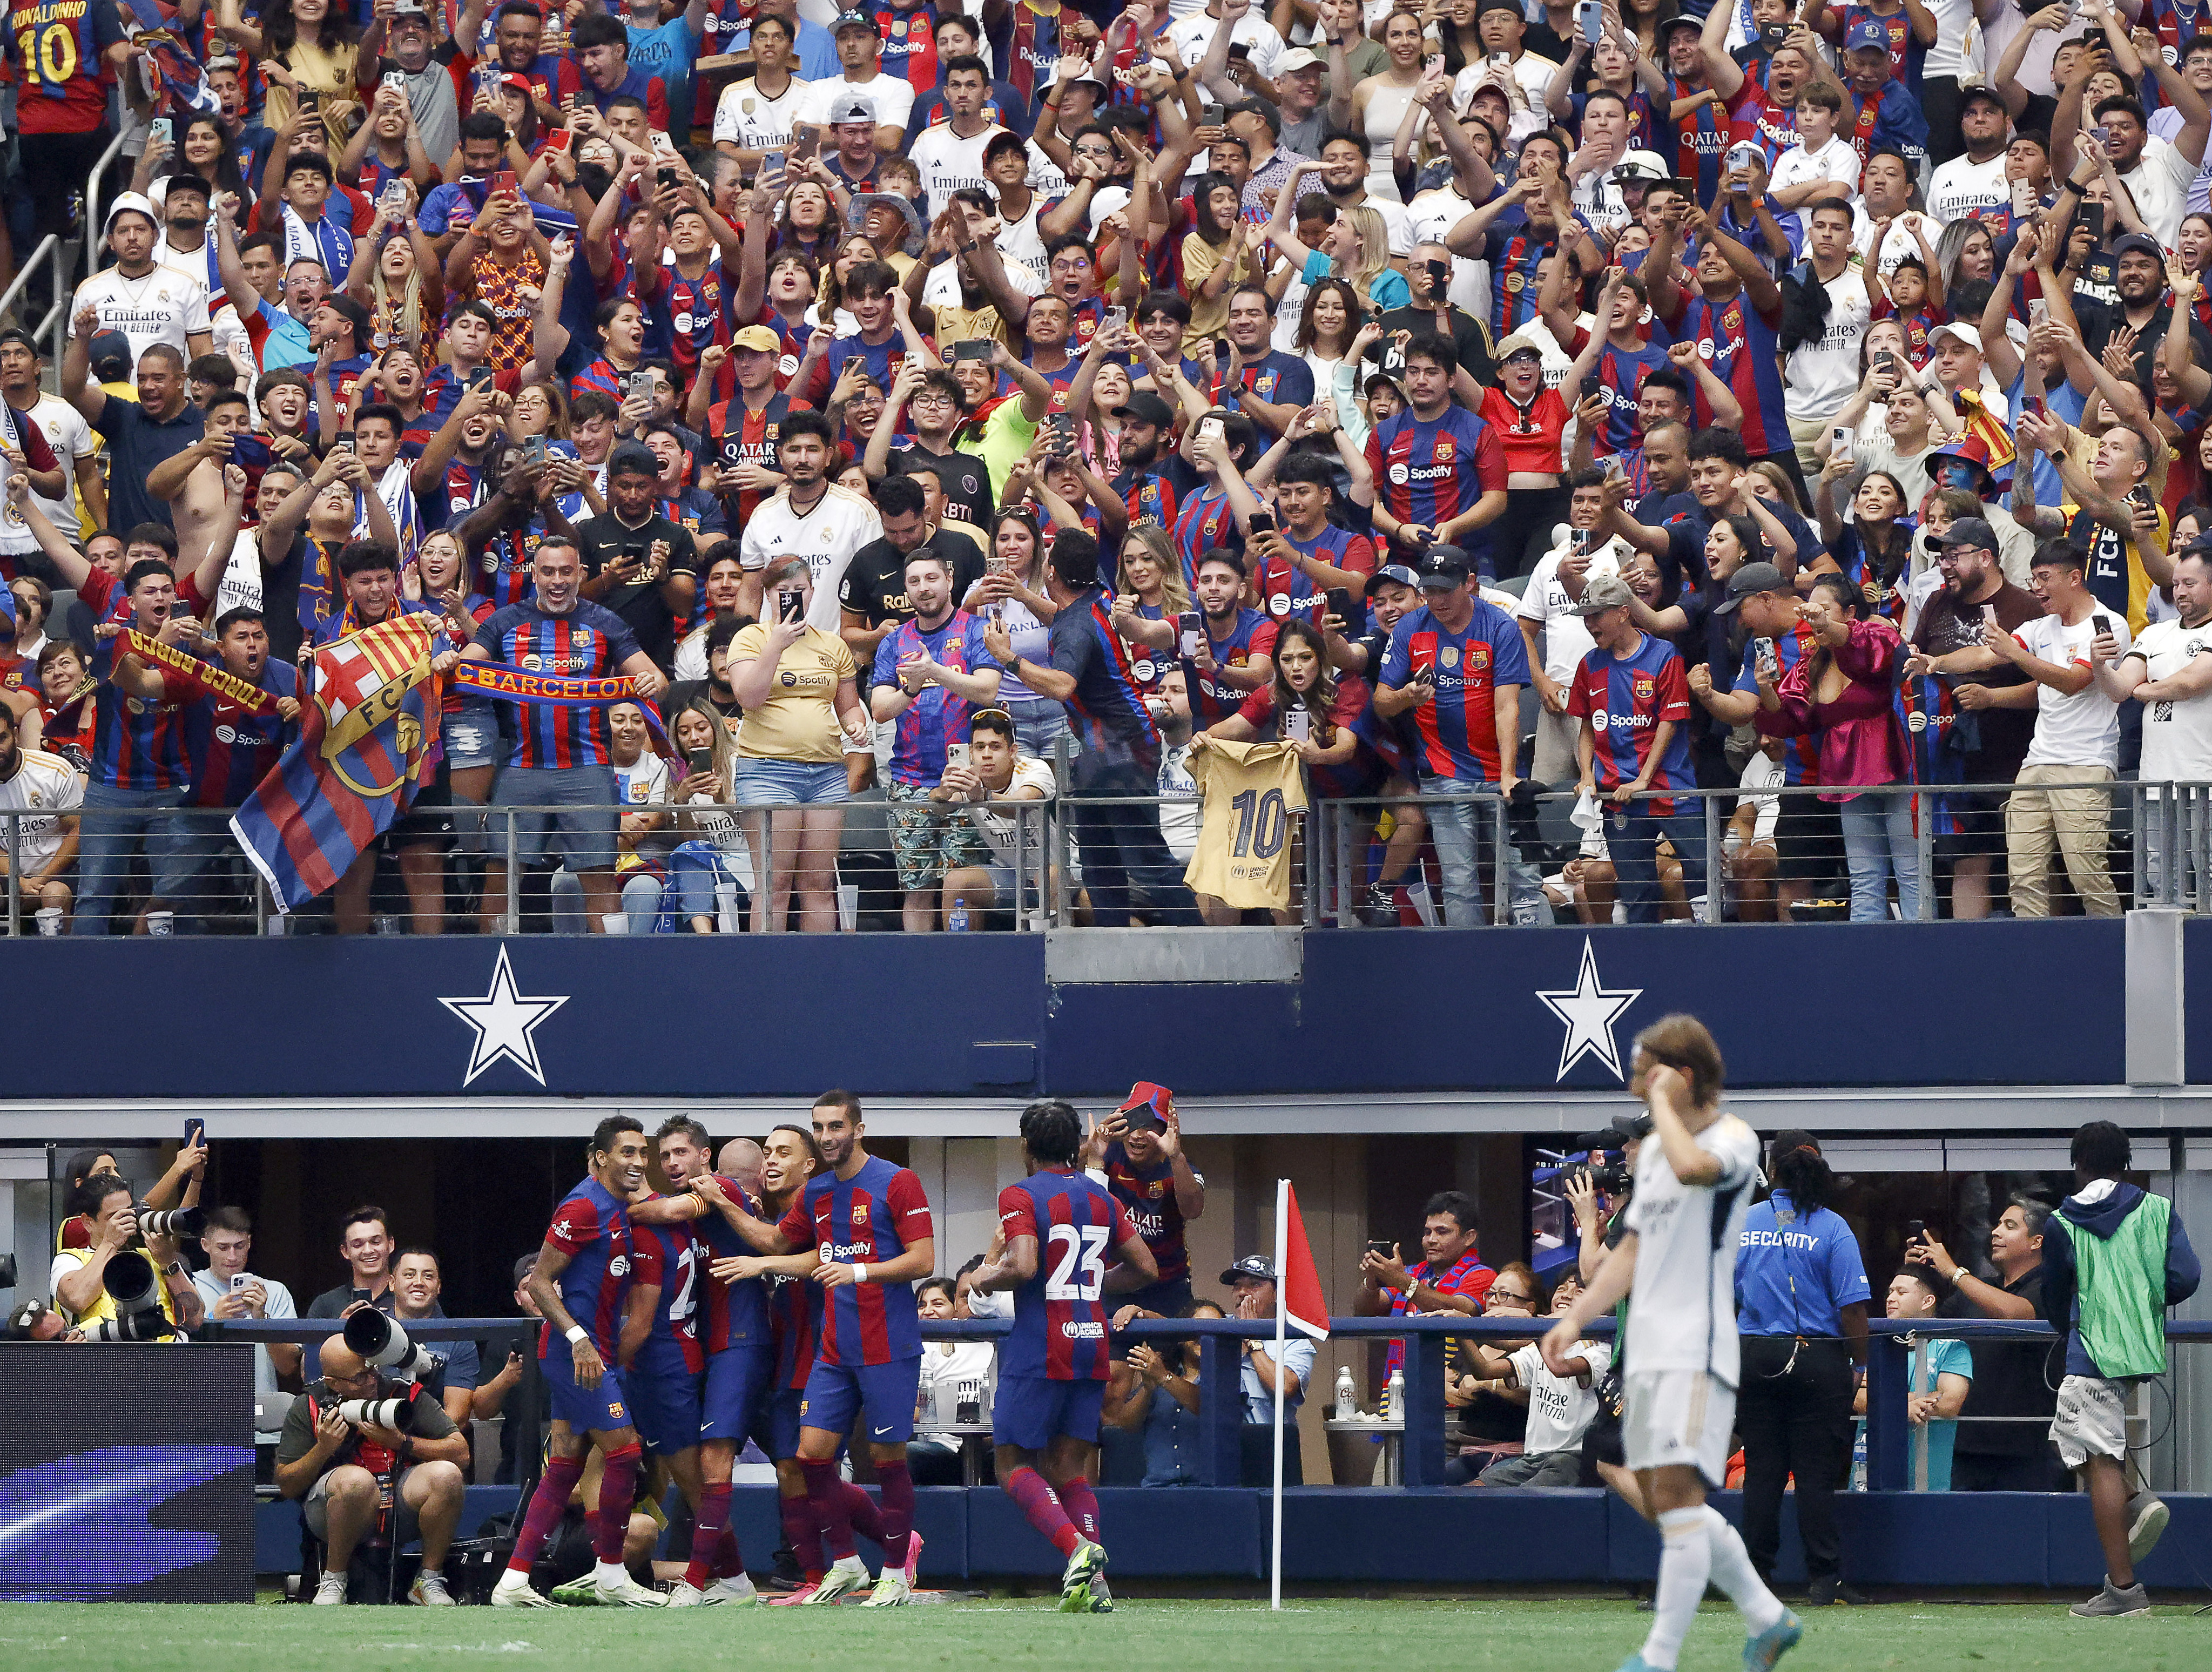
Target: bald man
<point>333,1467</point>
<point>741,1162</point>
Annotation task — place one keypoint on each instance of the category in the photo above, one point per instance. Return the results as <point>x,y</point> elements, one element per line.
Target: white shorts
<point>1684,1417</point>
<point>2091,1420</point>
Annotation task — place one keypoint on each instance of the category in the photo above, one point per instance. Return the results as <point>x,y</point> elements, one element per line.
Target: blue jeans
<point>1878,842</point>
<point>1122,848</point>
<point>1038,723</point>
<point>1631,838</point>
<point>1465,833</point>
<point>695,869</point>
<point>114,821</point>
<point>641,900</point>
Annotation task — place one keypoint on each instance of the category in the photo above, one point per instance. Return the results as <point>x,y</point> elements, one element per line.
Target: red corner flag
<point>1303,1305</point>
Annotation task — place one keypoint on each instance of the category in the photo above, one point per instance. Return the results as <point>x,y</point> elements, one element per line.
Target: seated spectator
<point>521,1366</point>
<point>365,1243</point>
<point>337,1472</point>
<point>1263,1382</point>
<point>1560,1408</point>
<point>996,772</point>
<point>1451,1277</point>
<point>1937,1393</point>
<point>229,1290</point>
<point>179,1187</point>
<point>957,1380</point>
<point>448,1371</point>
<point>1155,1390</point>
<point>1493,1408</point>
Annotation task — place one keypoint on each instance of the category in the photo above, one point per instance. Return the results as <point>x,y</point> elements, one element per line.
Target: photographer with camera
<point>86,1283</point>
<point>35,1321</point>
<point>1598,1191</point>
<point>180,1187</point>
<point>364,1454</point>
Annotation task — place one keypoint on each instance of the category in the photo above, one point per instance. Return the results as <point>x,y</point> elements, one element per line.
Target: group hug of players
<point>782,1316</point>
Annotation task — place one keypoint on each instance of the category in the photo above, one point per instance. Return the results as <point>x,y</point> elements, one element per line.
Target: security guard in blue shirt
<point>1802,1297</point>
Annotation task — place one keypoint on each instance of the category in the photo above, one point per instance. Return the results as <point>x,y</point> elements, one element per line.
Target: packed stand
<point>1219,426</point>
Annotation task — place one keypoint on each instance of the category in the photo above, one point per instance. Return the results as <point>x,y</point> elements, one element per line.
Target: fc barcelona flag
<point>355,765</point>
<point>152,26</point>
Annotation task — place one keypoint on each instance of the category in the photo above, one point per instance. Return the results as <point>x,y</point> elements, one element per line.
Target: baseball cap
<point>1604,591</point>
<point>1442,568</point>
<point>1972,448</point>
<point>1637,1125</point>
<point>758,338</point>
<point>410,11</point>
<point>1969,532</point>
<point>1519,343</point>
<point>1964,333</point>
<point>1751,578</point>
<point>1789,1143</point>
<point>131,200</point>
<point>1970,91</point>
<point>1399,572</point>
<point>854,107</point>
<point>1513,6</point>
<point>1258,1265</point>
<point>1296,59</point>
<point>2135,241</point>
<point>853,20</point>
<point>518,84</point>
<point>18,334</point>
<point>110,354</point>
<point>1865,33</point>
<point>1680,21</point>
<point>1147,407</point>
<point>1153,1099</point>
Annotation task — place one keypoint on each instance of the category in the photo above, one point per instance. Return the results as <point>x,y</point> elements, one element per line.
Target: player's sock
<point>861,1512</point>
<point>729,1560</point>
<point>708,1532</point>
<point>1040,1504</point>
<point>897,1512</point>
<point>1735,1576</point>
<point>1082,1507</point>
<point>825,1492</point>
<point>617,1492</point>
<point>555,1489</point>
<point>803,1533</point>
<point>1686,1563</point>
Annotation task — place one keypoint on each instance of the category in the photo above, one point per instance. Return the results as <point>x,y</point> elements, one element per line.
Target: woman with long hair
<point>303,46</point>
<point>469,727</point>
<point>1356,248</point>
<point>1155,1391</point>
<point>1216,256</point>
<point>852,250</point>
<point>798,687</point>
<point>404,289</point>
<point>807,221</point>
<point>1875,552</point>
<point>710,867</point>
<point>203,148</point>
<point>1459,33</point>
<point>1844,692</point>
<point>1966,253</point>
<point>1332,320</point>
<point>1374,108</point>
<point>1013,587</point>
<point>1152,580</point>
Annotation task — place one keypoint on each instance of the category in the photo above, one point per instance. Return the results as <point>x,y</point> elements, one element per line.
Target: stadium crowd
<point>904,399</point>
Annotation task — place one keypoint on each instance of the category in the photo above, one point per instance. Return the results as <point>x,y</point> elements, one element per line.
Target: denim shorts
<point>581,833</point>
<point>762,784</point>
<point>471,739</point>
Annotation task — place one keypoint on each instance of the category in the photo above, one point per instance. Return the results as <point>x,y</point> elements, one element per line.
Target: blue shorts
<point>1032,1411</point>
<point>736,1377</point>
<point>664,1394</point>
<point>578,830</point>
<point>765,783</point>
<point>836,1393</point>
<point>588,1410</point>
<point>777,1428</point>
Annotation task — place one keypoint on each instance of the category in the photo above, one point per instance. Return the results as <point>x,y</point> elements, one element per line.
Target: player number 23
<point>1074,1247</point>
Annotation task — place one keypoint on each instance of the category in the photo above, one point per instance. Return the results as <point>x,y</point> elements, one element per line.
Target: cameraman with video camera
<point>86,1282</point>
<point>350,1473</point>
<point>1598,1191</point>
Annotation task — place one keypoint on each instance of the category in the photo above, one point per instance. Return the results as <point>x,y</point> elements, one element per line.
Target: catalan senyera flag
<point>356,764</point>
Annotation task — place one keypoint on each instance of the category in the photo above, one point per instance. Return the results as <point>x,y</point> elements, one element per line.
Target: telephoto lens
<point>398,1414</point>
<point>380,1341</point>
<point>135,1287</point>
<point>171,1221</point>
<point>148,1326</point>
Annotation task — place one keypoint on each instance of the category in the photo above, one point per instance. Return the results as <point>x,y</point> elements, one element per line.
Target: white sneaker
<point>514,1590</point>
<point>618,1590</point>
<point>429,1590</point>
<point>736,1592</point>
<point>685,1596</point>
<point>330,1590</point>
<point>891,1590</point>
<point>846,1575</point>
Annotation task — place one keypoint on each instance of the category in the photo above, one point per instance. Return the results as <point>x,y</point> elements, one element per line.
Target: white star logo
<point>503,1019</point>
<point>1589,1010</point>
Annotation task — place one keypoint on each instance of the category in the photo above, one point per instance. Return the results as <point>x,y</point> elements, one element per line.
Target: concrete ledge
<point>1168,958</point>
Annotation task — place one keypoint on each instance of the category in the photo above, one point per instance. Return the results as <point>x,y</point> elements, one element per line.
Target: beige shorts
<point>2091,1420</point>
<point>1677,1417</point>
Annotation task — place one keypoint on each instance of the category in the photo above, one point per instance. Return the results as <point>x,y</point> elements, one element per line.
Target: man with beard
<point>140,434</point>
<point>149,303</point>
<point>2146,310</point>
<point>2168,671</point>
<point>930,403</point>
<point>1152,478</point>
<point>741,432</point>
<point>810,517</point>
<point>1070,275</point>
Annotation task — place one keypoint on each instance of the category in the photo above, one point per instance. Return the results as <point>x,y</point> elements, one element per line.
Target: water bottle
<point>1345,1408</point>
<point>956,920</point>
<point>1393,1398</point>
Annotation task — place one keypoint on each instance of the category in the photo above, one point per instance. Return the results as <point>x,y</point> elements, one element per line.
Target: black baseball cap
<point>1442,568</point>
<point>1970,530</point>
<point>1751,578</point>
<point>1252,1265</point>
<point>18,334</point>
<point>1147,407</point>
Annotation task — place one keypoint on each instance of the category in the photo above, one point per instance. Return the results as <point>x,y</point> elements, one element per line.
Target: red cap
<point>1145,1095</point>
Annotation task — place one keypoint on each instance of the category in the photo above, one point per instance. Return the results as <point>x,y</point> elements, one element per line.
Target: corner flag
<point>1303,1306</point>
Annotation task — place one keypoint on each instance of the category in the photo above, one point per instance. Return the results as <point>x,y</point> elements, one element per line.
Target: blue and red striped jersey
<point>1287,590</point>
<point>1147,1196</point>
<point>698,312</point>
<point>1621,375</point>
<point>1626,699</point>
<point>1060,1316</point>
<point>1514,254</point>
<point>589,642</point>
<point>1741,344</point>
<point>592,1228</point>
<point>869,1217</point>
<point>1801,762</point>
<point>1754,116</point>
<point>1700,140</point>
<point>668,1258</point>
<point>794,1310</point>
<point>231,751</point>
<point>1428,471</point>
<point>136,744</point>
<point>1202,522</point>
<point>1251,636</point>
<point>730,1314</point>
<point>1108,707</point>
<point>1458,727</point>
<point>1149,495</point>
<point>909,38</point>
<point>937,717</point>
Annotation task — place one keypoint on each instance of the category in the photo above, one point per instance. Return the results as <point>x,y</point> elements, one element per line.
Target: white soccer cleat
<point>514,1590</point>
<point>892,1592</point>
<point>685,1596</point>
<point>736,1592</point>
<point>619,1590</point>
<point>846,1575</point>
<point>330,1590</point>
<point>429,1590</point>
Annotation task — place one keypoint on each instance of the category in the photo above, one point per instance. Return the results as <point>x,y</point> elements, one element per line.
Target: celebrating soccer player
<point>1058,1224</point>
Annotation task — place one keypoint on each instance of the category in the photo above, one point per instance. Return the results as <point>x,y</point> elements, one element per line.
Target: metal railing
<point>52,328</point>
<point>2110,845</point>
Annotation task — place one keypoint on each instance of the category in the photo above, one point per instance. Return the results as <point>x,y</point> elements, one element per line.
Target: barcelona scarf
<point>510,684</point>
<point>202,677</point>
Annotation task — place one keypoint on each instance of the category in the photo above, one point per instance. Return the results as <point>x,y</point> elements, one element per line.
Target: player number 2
<point>1260,821</point>
<point>1073,1246</point>
<point>685,1302</point>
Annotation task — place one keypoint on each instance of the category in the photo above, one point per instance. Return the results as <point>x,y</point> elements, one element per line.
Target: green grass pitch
<point>1472,1635</point>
